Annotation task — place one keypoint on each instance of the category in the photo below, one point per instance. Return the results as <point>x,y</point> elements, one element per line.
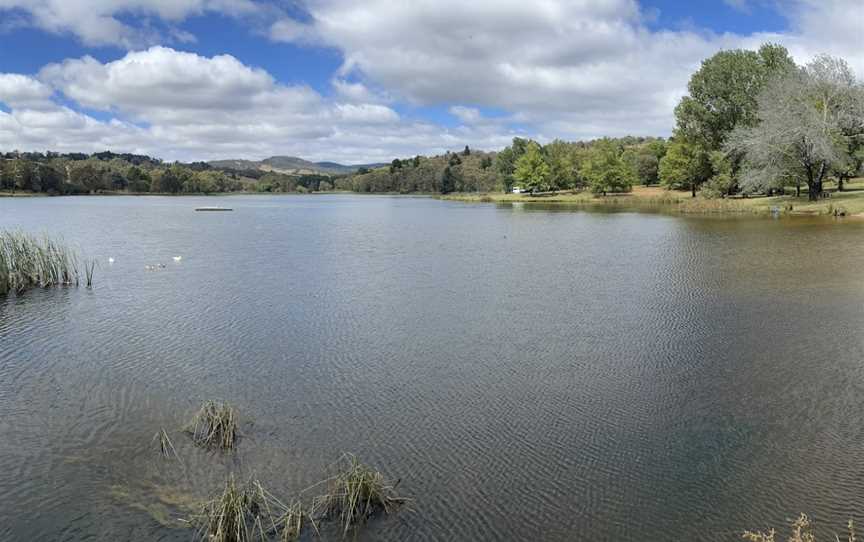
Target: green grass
<point>28,262</point>
<point>215,425</point>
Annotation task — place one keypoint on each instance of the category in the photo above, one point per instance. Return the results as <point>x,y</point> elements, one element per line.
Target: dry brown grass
<point>802,531</point>
<point>215,425</point>
<point>166,447</point>
<point>355,493</point>
<point>248,512</point>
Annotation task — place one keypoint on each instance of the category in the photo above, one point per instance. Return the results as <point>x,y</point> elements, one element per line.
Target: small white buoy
<point>178,258</point>
<point>110,260</point>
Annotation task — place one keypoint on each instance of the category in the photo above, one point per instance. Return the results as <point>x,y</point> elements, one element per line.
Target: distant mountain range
<point>291,165</point>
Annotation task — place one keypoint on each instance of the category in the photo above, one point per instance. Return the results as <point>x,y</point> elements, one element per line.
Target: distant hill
<point>291,165</point>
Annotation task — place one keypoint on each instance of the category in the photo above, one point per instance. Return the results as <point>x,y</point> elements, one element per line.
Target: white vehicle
<point>518,190</point>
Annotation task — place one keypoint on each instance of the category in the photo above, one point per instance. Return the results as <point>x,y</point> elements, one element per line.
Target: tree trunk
<point>798,190</point>
<point>692,190</point>
<point>840,184</point>
<point>814,189</point>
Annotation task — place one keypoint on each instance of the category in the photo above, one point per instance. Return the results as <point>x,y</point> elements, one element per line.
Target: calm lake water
<point>529,373</point>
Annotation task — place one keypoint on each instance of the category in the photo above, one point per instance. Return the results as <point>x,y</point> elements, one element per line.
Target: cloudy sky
<point>366,80</point>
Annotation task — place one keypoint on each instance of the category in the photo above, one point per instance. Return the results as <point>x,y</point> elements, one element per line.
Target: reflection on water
<point>529,374</point>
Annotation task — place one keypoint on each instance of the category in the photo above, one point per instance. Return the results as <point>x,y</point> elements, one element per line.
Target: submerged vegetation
<point>215,425</point>
<point>28,262</point>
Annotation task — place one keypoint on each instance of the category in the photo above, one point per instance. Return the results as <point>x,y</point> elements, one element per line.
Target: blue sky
<point>362,81</point>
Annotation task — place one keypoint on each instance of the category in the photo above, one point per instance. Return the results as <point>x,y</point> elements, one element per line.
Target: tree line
<point>107,172</point>
<point>752,122</point>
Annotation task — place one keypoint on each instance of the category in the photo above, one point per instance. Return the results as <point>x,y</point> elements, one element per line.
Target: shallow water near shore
<point>529,373</point>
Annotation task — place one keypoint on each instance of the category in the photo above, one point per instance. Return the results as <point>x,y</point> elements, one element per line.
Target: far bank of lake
<point>849,203</point>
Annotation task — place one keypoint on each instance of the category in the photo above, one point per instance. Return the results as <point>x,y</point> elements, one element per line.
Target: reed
<point>243,513</point>
<point>215,425</point>
<point>356,493</point>
<point>89,268</point>
<point>28,262</point>
<point>166,447</point>
<point>231,516</point>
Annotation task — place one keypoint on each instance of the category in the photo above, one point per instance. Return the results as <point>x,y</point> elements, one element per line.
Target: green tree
<point>87,174</point>
<point>722,182</point>
<point>50,179</point>
<point>686,165</point>
<point>647,166</point>
<point>174,179</point>
<point>7,181</point>
<point>448,181</point>
<point>505,162</point>
<point>532,171</point>
<point>24,176</point>
<point>115,180</point>
<point>138,179</point>
<point>562,170</point>
<point>605,168</point>
<point>723,92</point>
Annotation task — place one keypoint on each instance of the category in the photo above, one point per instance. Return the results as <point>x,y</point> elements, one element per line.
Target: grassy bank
<point>849,202</point>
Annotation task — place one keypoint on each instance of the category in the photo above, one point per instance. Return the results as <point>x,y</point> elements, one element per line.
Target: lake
<point>529,373</point>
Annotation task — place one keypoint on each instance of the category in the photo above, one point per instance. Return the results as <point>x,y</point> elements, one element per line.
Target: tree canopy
<point>809,119</point>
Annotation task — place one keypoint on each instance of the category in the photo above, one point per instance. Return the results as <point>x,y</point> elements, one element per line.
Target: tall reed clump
<point>247,512</point>
<point>215,425</point>
<point>30,262</point>
<point>802,531</point>
<point>355,493</point>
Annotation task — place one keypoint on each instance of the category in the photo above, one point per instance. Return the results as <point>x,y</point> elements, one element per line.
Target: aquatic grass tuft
<point>28,262</point>
<point>357,492</point>
<point>802,531</point>
<point>166,447</point>
<point>242,513</point>
<point>231,516</point>
<point>215,425</point>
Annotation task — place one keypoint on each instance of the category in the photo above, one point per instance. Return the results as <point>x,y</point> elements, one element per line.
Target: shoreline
<point>847,204</point>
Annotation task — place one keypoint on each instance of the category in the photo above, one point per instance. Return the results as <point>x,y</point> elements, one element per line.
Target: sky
<point>358,81</point>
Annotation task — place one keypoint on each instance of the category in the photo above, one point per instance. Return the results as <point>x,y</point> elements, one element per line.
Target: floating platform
<point>213,209</point>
